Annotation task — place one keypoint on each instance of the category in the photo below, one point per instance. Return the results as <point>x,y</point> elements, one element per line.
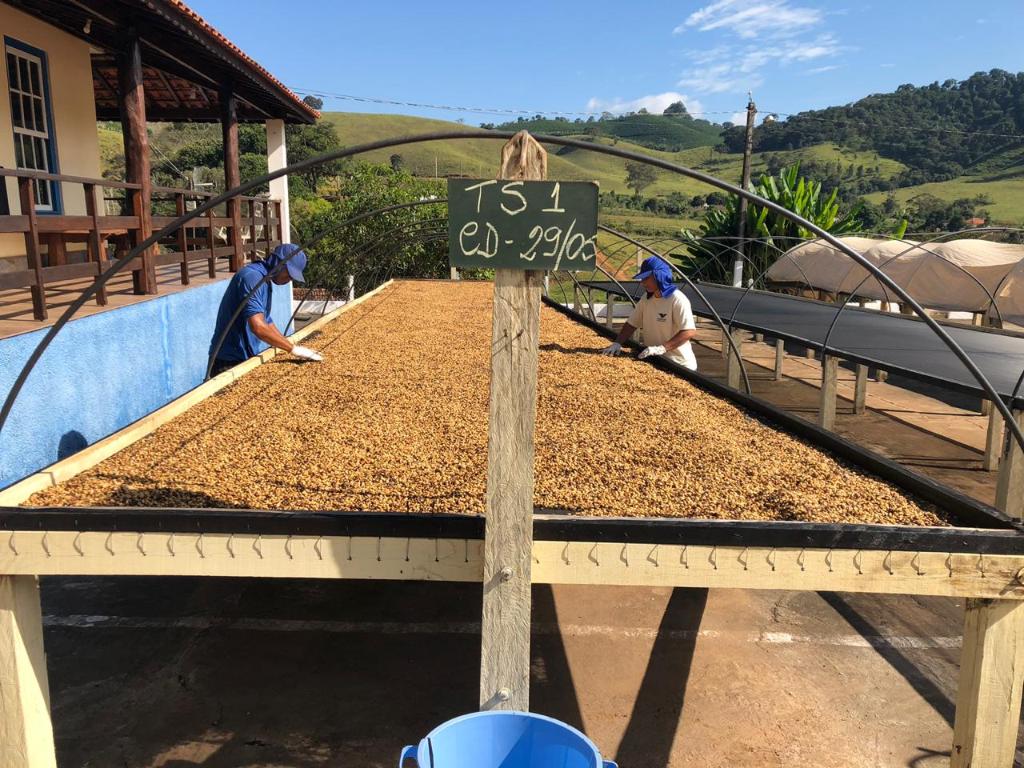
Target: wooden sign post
<point>520,225</point>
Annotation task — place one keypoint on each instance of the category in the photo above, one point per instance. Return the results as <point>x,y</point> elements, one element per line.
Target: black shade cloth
<point>895,343</point>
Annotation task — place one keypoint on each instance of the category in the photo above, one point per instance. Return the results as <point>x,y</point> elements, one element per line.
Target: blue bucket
<point>505,740</point>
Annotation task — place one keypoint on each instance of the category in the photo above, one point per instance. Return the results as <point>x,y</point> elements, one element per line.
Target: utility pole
<point>748,149</point>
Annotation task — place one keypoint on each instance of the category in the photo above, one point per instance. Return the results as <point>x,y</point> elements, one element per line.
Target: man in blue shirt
<point>253,329</point>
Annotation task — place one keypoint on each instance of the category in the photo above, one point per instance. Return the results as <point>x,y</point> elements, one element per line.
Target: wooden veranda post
<point>136,155</point>
<point>26,733</point>
<point>505,625</point>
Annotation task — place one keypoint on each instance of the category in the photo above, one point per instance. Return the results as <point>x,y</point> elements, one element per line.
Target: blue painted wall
<point>105,371</point>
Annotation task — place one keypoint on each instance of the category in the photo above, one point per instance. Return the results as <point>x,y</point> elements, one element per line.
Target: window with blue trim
<point>34,146</point>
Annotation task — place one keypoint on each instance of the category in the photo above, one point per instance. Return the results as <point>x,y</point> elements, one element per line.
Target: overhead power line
<point>838,122</point>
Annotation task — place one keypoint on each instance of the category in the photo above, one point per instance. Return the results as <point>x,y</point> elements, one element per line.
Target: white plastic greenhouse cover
<point>959,275</point>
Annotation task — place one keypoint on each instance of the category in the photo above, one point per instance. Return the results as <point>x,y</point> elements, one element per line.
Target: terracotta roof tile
<point>220,38</point>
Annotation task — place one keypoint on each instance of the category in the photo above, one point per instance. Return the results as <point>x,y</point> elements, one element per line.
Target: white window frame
<point>39,139</point>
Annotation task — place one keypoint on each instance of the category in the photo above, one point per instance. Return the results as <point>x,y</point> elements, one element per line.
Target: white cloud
<point>738,118</point>
<point>654,103</point>
<point>769,18</point>
<point>820,70</point>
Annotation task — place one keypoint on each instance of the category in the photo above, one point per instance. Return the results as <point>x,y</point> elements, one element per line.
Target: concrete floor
<point>184,672</point>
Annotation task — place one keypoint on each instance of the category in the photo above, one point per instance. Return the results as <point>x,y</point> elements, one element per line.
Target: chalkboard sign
<point>544,225</point>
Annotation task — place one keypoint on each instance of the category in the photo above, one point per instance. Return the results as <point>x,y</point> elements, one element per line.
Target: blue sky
<point>575,57</point>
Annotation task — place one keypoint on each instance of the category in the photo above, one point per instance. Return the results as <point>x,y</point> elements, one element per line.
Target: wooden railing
<point>112,225</point>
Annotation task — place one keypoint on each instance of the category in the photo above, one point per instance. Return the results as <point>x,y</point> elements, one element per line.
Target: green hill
<point>670,133</point>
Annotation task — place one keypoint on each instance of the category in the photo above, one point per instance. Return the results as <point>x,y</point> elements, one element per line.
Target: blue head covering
<point>294,265</point>
<point>659,269</point>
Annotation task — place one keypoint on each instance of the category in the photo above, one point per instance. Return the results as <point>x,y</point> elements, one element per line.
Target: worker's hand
<point>306,354</point>
<point>612,349</point>
<point>650,351</point>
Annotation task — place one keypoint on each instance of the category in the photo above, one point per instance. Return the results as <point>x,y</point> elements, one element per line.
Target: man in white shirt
<point>664,315</point>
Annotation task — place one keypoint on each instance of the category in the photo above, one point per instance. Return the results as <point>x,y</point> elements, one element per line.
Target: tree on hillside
<point>396,162</point>
<point>639,176</point>
<point>314,102</point>
<point>676,108</point>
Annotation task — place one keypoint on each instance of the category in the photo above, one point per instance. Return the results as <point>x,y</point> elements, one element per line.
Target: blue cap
<point>659,269</point>
<point>296,260</point>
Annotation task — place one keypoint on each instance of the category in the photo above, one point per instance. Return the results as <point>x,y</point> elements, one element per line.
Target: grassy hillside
<point>480,157</point>
<point>1005,189</point>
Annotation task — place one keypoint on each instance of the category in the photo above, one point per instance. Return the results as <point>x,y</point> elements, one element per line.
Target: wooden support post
<point>1010,484</point>
<point>809,353</point>
<point>136,154</point>
<point>759,337</point>
<point>986,407</point>
<point>829,388</point>
<point>351,288</point>
<point>780,354</point>
<point>733,364</point>
<point>26,734</point>
<point>97,244</point>
<point>609,310</point>
<point>253,255</point>
<point>56,250</point>
<point>988,695</point>
<point>860,390</point>
<point>453,273</point>
<point>26,192</point>
<point>576,303</point>
<point>881,376</point>
<point>232,177</point>
<point>179,208</point>
<point>211,243</point>
<point>993,441</point>
<point>267,240</point>
<point>505,624</point>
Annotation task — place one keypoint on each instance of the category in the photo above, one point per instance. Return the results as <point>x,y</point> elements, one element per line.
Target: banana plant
<point>714,246</point>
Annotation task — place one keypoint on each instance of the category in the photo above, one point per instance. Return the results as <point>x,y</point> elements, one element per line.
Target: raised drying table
<point>894,343</point>
<point>984,564</point>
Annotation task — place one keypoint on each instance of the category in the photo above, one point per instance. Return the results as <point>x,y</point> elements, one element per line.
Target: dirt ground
<point>184,672</point>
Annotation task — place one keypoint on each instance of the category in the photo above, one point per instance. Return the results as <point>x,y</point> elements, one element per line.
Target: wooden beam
<point>733,364</point>
<point>26,192</point>
<point>860,389</point>
<point>991,679</point>
<point>609,310</point>
<point>626,563</point>
<point>136,153</point>
<point>607,562</point>
<point>26,734</point>
<point>232,176</point>
<point>97,244</point>
<point>1010,484</point>
<point>829,391</point>
<point>993,440</point>
<point>780,355</point>
<point>515,338</point>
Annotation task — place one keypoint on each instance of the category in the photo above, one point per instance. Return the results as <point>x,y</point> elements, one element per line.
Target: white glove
<point>306,354</point>
<point>612,349</point>
<point>649,351</point>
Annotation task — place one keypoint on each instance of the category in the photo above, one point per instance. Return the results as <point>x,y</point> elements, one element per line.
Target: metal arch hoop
<point>718,319</point>
<point>119,264</point>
